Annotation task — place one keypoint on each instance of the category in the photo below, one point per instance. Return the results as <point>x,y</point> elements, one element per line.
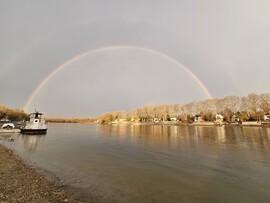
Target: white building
<point>219,117</point>
<point>266,117</point>
<point>173,119</point>
<point>198,118</point>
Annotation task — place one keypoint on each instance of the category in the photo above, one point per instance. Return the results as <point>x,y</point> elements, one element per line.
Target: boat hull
<point>9,130</point>
<point>33,131</point>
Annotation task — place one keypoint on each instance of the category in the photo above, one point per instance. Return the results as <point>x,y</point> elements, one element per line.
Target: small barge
<point>36,125</point>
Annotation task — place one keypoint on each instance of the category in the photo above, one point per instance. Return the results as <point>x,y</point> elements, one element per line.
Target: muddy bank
<point>20,183</point>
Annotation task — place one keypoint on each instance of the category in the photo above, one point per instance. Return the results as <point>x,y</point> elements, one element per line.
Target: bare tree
<point>265,103</point>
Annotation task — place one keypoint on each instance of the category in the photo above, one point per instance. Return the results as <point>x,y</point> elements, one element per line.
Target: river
<point>153,163</point>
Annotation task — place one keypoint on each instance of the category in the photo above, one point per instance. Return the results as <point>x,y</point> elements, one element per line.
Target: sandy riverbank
<point>21,183</point>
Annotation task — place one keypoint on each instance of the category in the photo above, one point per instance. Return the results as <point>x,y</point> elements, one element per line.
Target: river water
<point>154,163</point>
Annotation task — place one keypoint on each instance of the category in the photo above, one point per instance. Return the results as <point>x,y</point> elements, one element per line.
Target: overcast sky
<point>224,43</point>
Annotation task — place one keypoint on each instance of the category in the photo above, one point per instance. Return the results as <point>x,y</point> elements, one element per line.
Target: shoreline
<point>19,182</point>
<point>204,123</point>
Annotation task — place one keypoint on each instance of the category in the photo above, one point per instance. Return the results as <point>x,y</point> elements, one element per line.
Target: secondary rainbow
<point>94,51</point>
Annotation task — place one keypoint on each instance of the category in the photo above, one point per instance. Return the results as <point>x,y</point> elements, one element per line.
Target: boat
<point>5,120</point>
<point>9,128</point>
<point>36,125</point>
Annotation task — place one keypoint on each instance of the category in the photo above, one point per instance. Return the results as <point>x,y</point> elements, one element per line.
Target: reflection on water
<point>31,142</point>
<point>162,135</point>
<point>155,163</point>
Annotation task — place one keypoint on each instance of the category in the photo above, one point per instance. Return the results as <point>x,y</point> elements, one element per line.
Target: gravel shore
<point>20,183</point>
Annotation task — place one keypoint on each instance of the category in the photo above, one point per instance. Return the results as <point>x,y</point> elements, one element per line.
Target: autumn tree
<point>265,103</point>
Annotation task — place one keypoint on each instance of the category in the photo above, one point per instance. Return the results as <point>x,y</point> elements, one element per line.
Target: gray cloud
<point>225,43</point>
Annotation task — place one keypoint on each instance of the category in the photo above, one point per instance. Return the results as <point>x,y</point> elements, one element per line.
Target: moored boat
<point>36,125</point>
<point>9,128</point>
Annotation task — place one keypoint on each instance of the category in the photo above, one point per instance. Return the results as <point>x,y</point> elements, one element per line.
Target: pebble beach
<point>21,183</point>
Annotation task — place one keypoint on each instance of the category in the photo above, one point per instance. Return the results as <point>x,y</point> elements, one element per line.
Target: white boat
<point>9,128</point>
<point>36,125</point>
<point>5,120</point>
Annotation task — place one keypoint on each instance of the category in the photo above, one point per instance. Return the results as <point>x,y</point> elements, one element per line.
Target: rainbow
<point>107,48</point>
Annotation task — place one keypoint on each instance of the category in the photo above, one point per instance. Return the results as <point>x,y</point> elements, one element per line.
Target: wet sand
<point>21,183</point>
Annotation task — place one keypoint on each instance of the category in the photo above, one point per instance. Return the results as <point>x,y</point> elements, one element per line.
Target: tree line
<point>251,107</point>
<point>12,114</point>
<point>71,120</point>
<point>7,113</point>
